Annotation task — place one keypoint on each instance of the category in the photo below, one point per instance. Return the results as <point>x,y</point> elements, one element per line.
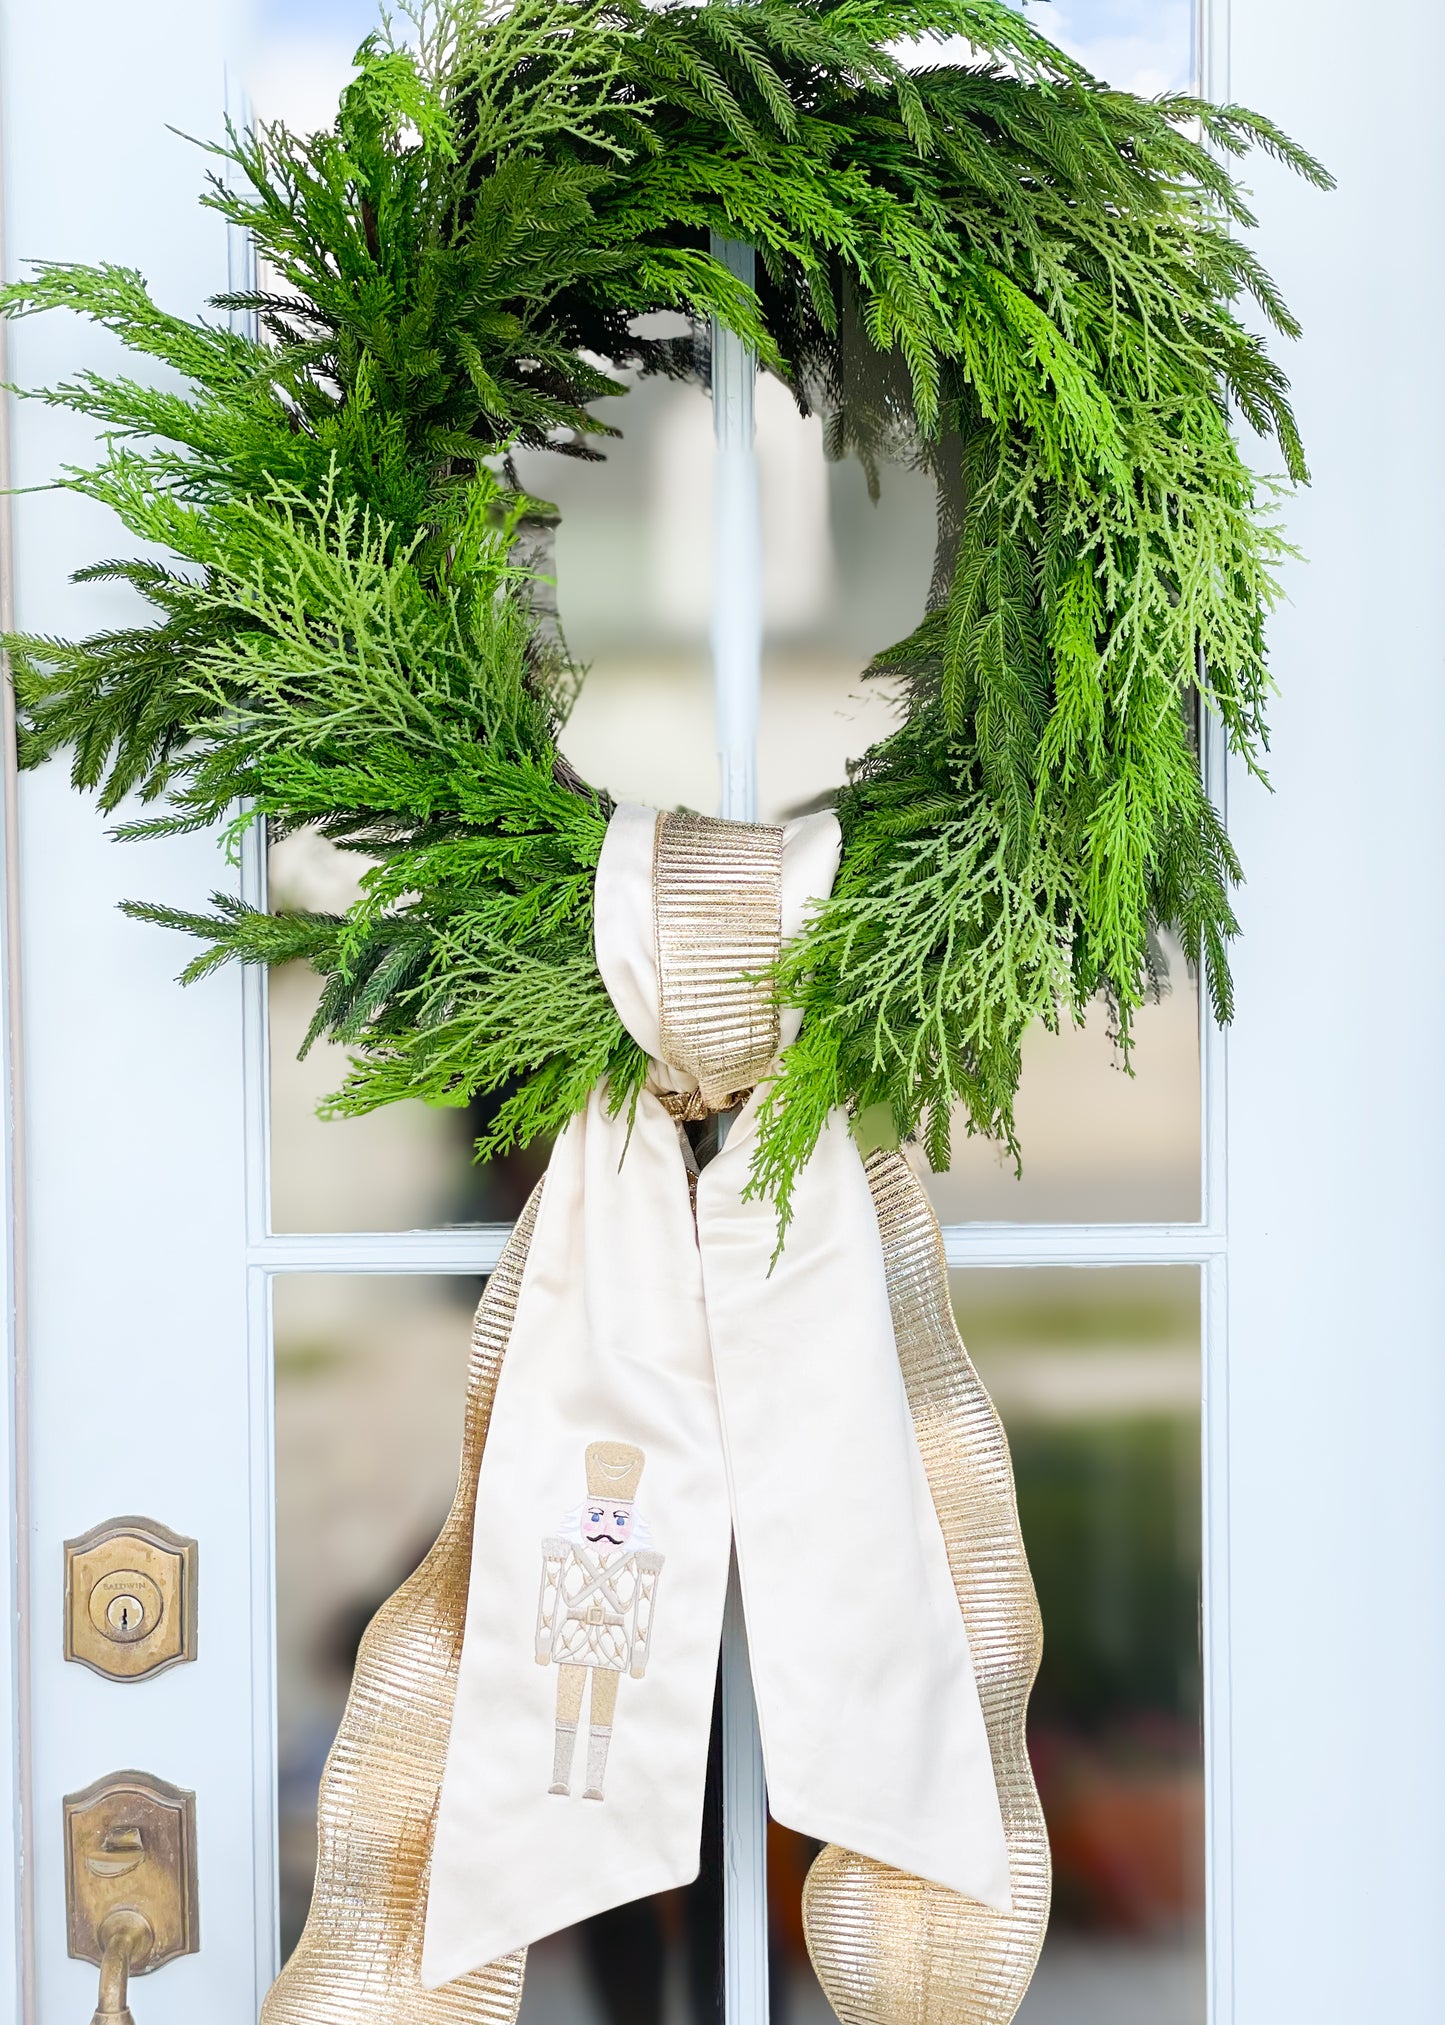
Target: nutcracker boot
<point>562,1749</point>
<point>598,1738</point>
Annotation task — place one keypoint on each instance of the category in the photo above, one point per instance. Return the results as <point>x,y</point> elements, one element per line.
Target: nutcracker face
<point>607,1525</point>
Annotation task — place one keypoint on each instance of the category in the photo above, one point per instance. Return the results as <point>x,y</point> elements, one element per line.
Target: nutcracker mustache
<point>596,1539</point>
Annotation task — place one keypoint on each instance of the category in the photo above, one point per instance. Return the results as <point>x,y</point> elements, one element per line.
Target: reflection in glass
<point>295,56</point>
<point>634,589</point>
<point>370,1379</point>
<point>405,1167</point>
<point>1102,1143</point>
<point>795,1996</point>
<point>633,560</point>
<point>1136,45</point>
<point>657,1961</point>
<point>1097,1376</point>
<point>842,579</point>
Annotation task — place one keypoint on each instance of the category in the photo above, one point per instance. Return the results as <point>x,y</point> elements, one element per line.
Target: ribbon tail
<point>358,1962</point>
<point>870,1719</point>
<point>891,1949</point>
<point>578,1752</point>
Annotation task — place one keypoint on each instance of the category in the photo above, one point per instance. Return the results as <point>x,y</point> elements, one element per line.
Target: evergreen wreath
<point>992,266</point>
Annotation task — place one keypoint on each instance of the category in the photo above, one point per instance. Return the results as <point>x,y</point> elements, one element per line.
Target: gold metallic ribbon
<point>888,1948</point>
<point>717,893</point>
<point>358,1961</point>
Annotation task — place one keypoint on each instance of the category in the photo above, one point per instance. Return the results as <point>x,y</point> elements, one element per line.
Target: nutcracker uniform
<point>594,1614</point>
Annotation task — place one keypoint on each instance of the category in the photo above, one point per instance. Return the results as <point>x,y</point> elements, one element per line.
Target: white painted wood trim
<point>263,1741</point>
<point>737,613</point>
<point>1335,1299</point>
<point>476,1248</point>
<point>745,1827</point>
<point>135,1213</point>
<point>17,1892</point>
<point>737,640</point>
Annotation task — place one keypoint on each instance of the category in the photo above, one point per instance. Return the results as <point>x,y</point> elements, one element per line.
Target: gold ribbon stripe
<point>717,891</point>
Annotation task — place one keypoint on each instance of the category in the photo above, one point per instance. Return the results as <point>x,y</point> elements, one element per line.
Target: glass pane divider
<point>737,648</point>
<point>477,1248</point>
<point>745,1824</point>
<point>737,615</point>
<point>466,1251</point>
<point>265,1652</point>
<point>256,1050</point>
<point>1081,1244</point>
<point>1213,1039</point>
<point>1215,1635</point>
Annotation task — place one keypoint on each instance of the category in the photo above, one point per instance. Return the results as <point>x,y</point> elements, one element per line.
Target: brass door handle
<point>130,1882</point>
<point>126,1941</point>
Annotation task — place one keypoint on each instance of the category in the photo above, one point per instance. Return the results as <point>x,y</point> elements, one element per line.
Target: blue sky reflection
<point>300,49</point>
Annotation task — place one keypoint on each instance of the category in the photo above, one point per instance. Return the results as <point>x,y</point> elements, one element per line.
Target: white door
<point>1210,1313</point>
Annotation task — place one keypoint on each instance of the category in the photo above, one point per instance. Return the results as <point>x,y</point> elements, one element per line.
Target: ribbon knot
<point>717,914</point>
<point>692,1107</point>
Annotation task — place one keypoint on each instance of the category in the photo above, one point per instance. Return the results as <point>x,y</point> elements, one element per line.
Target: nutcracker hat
<point>614,1470</point>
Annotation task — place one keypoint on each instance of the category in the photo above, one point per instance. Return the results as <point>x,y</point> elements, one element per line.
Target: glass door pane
<point>845,576</point>
<point>634,588</point>
<point>1097,1376</point>
<point>655,1961</point>
<point>406,1167</point>
<point>1101,1143</point>
<point>370,1379</point>
<point>634,572</point>
<point>1136,45</point>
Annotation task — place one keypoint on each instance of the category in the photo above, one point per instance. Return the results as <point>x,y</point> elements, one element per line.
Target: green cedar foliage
<point>989,265</point>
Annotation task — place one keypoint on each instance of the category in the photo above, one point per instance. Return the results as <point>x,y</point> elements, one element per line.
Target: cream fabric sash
<point>664,1392</point>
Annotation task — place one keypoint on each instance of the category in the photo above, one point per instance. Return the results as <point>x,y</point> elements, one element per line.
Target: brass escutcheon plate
<point>130,1598</point>
<point>130,1845</point>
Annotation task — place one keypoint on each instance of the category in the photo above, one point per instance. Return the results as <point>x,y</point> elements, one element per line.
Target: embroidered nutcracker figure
<point>594,1616</point>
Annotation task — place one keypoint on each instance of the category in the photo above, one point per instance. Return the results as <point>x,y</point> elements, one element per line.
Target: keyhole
<point>126,1607</point>
<point>126,1617</point>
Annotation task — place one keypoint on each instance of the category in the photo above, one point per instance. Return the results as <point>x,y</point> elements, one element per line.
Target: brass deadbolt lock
<point>130,1599</point>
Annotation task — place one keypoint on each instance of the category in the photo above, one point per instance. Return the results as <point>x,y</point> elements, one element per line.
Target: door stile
<point>737,641</point>
<point>17,1883</point>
